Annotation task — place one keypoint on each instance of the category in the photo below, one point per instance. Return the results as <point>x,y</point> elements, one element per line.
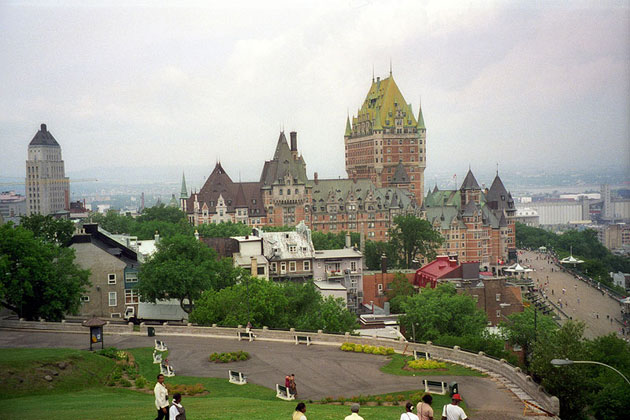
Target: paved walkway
<point>579,300</point>
<point>320,371</point>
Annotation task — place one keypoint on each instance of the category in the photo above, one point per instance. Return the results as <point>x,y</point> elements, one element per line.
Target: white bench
<point>237,377</point>
<point>437,387</point>
<point>157,358</point>
<point>167,370</point>
<point>247,335</point>
<point>284,393</point>
<point>303,339</point>
<point>160,345</point>
<point>418,354</point>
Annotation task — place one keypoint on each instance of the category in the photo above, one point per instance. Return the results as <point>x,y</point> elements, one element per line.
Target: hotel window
<point>292,266</point>
<point>111,279</point>
<point>113,299</point>
<point>306,265</point>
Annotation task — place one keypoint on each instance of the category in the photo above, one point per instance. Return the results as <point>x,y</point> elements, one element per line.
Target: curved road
<point>320,371</point>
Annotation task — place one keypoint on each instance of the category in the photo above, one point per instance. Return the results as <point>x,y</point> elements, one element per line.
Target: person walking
<point>425,411</point>
<point>354,410</point>
<point>408,414</point>
<point>292,385</point>
<point>161,398</point>
<point>298,414</point>
<point>177,411</point>
<point>453,411</point>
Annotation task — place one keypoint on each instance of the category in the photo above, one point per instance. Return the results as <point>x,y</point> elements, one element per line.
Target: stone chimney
<point>254,266</point>
<point>316,176</point>
<point>294,150</point>
<point>196,234</point>
<point>384,264</point>
<point>348,242</point>
<point>156,237</point>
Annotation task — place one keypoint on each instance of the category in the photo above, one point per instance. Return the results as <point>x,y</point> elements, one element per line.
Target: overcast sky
<point>139,84</point>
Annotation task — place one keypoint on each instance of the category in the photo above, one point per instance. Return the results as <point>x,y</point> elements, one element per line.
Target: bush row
<point>426,364</point>
<point>184,389</point>
<point>364,348</point>
<point>229,357</point>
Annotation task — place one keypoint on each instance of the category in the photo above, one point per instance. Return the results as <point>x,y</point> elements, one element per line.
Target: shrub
<point>426,364</point>
<point>108,352</point>
<point>361,348</point>
<point>124,382</point>
<point>229,357</point>
<point>141,381</point>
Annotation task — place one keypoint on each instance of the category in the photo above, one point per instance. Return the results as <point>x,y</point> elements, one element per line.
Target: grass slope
<point>398,361</point>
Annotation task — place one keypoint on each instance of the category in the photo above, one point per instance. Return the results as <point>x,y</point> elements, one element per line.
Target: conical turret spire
<point>420,118</point>
<point>348,127</point>
<point>184,191</point>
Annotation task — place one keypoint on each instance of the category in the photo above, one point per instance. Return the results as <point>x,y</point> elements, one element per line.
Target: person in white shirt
<point>298,414</point>
<point>177,412</point>
<point>355,413</point>
<point>408,414</point>
<point>453,411</point>
<point>161,398</point>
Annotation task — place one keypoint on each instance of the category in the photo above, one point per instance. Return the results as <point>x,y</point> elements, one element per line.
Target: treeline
<point>598,260</point>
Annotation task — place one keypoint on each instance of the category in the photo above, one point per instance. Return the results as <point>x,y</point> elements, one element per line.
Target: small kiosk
<point>96,330</point>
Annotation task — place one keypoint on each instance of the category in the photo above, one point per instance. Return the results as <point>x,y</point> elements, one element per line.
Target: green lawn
<point>397,362</point>
<point>86,398</point>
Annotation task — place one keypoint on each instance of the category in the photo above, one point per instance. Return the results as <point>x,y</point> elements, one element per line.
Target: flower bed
<point>361,348</point>
<point>185,389</point>
<point>236,356</point>
<point>420,364</point>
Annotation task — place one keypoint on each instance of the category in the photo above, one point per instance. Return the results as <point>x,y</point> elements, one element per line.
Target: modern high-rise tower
<point>386,143</point>
<point>47,188</point>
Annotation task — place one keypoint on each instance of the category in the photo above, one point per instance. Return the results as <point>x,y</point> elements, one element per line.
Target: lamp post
<point>566,362</point>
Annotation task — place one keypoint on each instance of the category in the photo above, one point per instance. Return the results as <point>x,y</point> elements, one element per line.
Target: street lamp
<point>566,362</point>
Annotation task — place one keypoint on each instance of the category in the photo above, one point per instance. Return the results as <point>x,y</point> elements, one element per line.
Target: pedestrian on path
<point>408,414</point>
<point>177,411</point>
<point>453,411</point>
<point>298,414</point>
<point>425,411</point>
<point>354,410</point>
<point>161,398</point>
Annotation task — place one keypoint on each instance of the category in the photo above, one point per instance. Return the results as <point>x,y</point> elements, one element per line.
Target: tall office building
<point>385,142</point>
<point>47,187</point>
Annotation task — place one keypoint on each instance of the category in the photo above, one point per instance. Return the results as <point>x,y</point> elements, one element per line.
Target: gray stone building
<point>339,273</point>
<point>114,273</point>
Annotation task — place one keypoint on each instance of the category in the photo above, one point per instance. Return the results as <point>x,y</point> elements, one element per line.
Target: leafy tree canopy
<point>58,231</point>
<point>524,328</point>
<point>398,291</point>
<point>182,268</point>
<point>373,252</point>
<point>413,236</point>
<point>442,311</point>
<point>331,240</point>
<point>275,305</point>
<point>38,278</point>
<point>223,230</point>
<point>167,221</point>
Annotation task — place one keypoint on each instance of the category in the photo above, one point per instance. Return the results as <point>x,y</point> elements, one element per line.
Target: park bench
<point>160,345</point>
<point>421,354</point>
<point>167,370</point>
<point>237,377</point>
<point>303,339</point>
<point>157,358</point>
<point>437,387</point>
<point>284,393</point>
<point>247,335</point>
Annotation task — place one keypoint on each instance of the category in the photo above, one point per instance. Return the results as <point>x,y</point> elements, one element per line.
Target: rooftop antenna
<point>372,72</point>
<point>390,67</point>
<point>497,168</point>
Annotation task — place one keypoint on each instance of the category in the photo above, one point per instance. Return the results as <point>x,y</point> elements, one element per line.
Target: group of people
<point>289,382</point>
<point>450,411</point>
<point>176,410</point>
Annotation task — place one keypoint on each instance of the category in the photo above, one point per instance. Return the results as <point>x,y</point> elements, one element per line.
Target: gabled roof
<point>499,195</point>
<point>470,183</point>
<point>400,176</point>
<point>470,209</point>
<point>282,164</point>
<point>43,138</point>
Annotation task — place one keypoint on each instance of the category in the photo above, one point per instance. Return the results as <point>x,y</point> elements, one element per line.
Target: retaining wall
<point>501,367</point>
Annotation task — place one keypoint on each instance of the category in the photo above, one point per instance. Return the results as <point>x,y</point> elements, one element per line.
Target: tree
<point>524,328</point>
<point>162,213</point>
<point>331,240</point>
<point>331,316</point>
<point>413,236</point>
<point>398,291</point>
<point>38,278</point>
<point>182,268</point>
<point>223,230</point>
<point>58,231</point>
<point>442,311</point>
<point>374,250</point>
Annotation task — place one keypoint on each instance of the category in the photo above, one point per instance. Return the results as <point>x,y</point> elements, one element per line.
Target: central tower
<point>385,142</point>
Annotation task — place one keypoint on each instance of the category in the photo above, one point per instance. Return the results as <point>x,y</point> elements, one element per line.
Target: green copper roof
<point>420,118</point>
<point>348,127</point>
